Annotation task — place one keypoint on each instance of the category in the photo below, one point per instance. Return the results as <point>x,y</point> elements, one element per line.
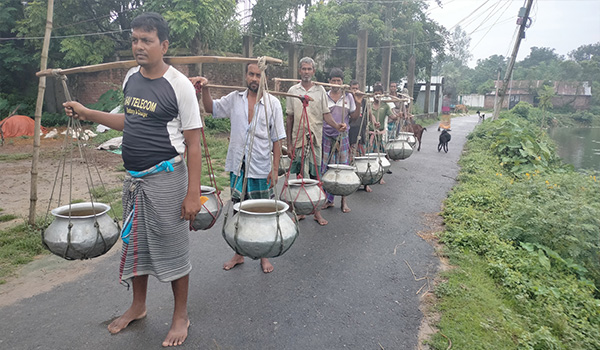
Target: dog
<point>481,117</point>
<point>444,139</point>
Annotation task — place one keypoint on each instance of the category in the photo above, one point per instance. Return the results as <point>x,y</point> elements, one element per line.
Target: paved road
<point>339,286</point>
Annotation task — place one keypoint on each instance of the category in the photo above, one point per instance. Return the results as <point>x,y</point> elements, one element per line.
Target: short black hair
<point>354,82</point>
<point>377,87</point>
<point>336,73</point>
<point>150,21</point>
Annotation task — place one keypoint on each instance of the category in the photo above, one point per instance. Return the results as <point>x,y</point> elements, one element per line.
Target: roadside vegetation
<point>523,236</point>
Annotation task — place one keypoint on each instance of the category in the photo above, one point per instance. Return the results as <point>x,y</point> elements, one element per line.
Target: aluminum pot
<point>305,196</point>
<point>260,229</point>
<point>284,164</point>
<point>385,163</point>
<point>368,169</point>
<point>408,137</point>
<point>340,180</point>
<point>399,149</point>
<point>211,210</point>
<point>81,231</point>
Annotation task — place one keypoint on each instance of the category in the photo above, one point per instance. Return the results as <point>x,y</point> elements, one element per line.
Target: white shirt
<point>235,107</point>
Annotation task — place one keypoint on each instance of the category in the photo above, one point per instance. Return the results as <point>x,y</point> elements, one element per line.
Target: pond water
<point>578,146</point>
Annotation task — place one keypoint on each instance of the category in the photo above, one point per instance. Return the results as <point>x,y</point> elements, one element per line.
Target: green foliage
<point>520,147</point>
<point>214,125</point>
<point>54,119</point>
<point>80,51</point>
<point>526,245</point>
<point>108,101</point>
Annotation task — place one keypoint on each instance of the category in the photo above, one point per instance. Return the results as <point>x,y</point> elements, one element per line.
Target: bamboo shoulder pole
<point>169,59</point>
<point>343,86</point>
<point>274,93</point>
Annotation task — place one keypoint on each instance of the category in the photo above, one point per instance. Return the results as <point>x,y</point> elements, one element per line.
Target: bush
<point>54,119</point>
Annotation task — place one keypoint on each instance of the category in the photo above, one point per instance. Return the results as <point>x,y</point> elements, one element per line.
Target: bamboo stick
<point>38,114</point>
<point>343,86</point>
<point>168,59</point>
<point>274,93</point>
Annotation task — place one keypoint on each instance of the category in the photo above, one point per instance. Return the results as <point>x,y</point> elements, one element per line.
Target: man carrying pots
<point>304,164</point>
<point>160,193</point>
<point>256,123</point>
<point>343,107</point>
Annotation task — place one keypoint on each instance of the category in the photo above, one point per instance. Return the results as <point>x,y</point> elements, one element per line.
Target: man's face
<point>306,72</point>
<point>336,81</point>
<point>393,87</point>
<point>253,77</point>
<point>354,88</point>
<point>147,48</point>
<point>377,94</point>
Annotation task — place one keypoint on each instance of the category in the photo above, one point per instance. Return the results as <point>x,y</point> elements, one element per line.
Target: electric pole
<point>513,57</point>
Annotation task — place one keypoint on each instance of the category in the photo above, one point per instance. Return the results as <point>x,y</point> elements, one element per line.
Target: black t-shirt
<point>156,113</point>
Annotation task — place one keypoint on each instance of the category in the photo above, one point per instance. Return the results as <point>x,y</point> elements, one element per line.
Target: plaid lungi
<point>309,171</point>
<point>255,188</point>
<point>159,237</point>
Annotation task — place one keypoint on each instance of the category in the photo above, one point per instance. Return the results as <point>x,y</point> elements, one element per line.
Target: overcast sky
<point>563,25</point>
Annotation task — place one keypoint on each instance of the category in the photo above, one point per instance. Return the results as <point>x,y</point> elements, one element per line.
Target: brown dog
<point>417,130</point>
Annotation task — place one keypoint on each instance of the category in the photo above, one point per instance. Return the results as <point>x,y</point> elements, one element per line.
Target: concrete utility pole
<point>511,63</point>
<point>38,114</point>
<point>361,58</point>
<point>427,87</point>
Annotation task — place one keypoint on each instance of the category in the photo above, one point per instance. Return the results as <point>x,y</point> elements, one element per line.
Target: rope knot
<point>262,63</point>
<point>305,101</point>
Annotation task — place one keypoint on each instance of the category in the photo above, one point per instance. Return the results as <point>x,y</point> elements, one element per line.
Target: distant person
<point>245,112</point>
<point>317,113</point>
<point>162,193</point>
<point>336,145</point>
<point>357,126</point>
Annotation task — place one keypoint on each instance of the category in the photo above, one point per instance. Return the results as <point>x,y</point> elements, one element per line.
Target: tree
<point>585,52</point>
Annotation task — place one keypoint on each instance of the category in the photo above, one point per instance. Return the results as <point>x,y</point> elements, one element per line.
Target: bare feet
<point>368,189</point>
<point>236,260</point>
<point>381,182</point>
<point>178,332</point>
<point>132,314</point>
<point>266,265</point>
<point>345,208</point>
<point>320,219</point>
<point>327,205</point>
<point>301,217</point>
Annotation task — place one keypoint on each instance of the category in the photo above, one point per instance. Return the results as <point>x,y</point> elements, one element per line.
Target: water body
<point>578,146</point>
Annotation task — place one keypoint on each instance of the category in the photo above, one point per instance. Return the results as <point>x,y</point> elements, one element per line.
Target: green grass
<point>18,245</point>
<point>14,157</point>
<point>475,312</point>
<point>7,217</point>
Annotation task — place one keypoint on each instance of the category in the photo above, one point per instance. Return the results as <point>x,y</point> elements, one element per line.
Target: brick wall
<point>88,87</point>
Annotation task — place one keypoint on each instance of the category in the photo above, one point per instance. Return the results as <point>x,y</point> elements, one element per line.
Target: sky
<point>562,25</point>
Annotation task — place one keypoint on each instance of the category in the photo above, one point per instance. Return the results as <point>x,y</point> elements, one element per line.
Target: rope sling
<point>307,150</point>
<point>70,252</point>
<point>278,240</point>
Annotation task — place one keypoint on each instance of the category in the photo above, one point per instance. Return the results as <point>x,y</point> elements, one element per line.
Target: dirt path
<point>16,176</point>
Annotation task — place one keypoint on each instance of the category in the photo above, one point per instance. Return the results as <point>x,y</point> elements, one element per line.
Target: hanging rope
<point>75,130</point>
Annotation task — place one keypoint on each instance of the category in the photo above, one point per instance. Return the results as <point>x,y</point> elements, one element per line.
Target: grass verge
<point>523,231</point>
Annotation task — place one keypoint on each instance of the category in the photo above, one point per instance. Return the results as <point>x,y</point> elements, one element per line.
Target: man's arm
<point>191,203</point>
<point>207,101</point>
<point>341,127</point>
<point>78,111</point>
